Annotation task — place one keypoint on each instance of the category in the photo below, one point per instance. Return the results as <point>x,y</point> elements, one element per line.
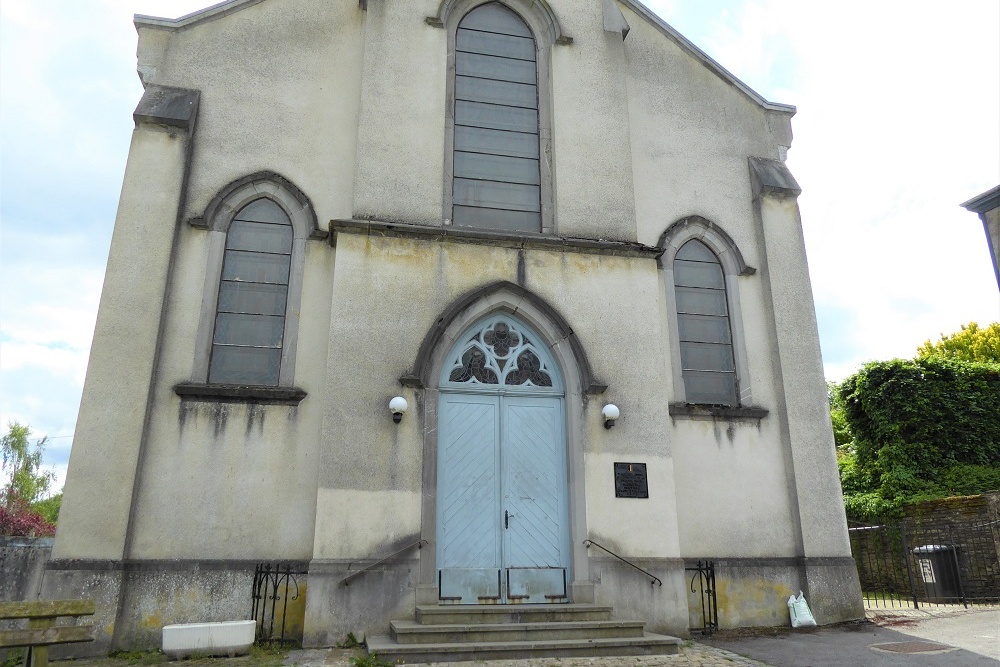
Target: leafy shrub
<point>17,519</point>
<point>924,428</point>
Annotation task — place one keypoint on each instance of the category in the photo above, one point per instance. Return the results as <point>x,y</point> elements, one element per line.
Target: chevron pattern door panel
<point>533,483</point>
<point>469,540</point>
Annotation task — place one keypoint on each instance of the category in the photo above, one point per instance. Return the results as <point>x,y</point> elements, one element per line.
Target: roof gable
<point>229,6</point>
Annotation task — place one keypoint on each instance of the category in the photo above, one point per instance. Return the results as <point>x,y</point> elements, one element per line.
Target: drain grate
<point>913,647</point>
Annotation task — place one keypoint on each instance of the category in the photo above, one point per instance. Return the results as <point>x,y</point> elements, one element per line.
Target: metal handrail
<point>418,544</point>
<point>655,579</point>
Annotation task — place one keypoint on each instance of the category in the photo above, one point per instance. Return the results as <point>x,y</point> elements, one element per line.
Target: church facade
<point>556,237</point>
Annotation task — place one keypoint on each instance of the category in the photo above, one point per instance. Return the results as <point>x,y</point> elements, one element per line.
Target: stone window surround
<point>546,30</point>
<point>218,215</point>
<point>733,267</point>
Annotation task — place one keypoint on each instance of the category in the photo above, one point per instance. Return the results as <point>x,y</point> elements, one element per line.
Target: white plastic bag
<point>799,611</point>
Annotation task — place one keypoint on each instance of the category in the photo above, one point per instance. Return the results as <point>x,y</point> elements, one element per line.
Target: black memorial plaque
<point>630,480</point>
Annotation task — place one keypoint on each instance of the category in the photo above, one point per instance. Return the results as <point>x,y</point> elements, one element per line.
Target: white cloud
<point>897,125</point>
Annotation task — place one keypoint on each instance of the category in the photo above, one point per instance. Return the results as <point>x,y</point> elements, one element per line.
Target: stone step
<point>410,632</point>
<point>648,644</point>
<point>469,614</point>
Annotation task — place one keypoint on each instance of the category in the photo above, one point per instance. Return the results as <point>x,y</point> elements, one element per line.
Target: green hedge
<point>924,428</point>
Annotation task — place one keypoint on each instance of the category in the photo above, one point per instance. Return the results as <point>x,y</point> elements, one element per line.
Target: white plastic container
<point>223,638</point>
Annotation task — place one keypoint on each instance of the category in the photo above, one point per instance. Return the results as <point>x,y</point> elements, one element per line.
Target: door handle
<point>506,519</point>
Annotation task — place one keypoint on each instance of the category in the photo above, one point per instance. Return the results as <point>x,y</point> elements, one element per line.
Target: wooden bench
<point>42,631</point>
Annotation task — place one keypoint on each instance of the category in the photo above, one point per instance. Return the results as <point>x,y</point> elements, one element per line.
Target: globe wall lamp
<point>398,406</point>
<point>610,414</point>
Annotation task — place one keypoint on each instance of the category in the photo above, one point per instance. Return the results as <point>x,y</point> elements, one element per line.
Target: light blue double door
<point>502,533</point>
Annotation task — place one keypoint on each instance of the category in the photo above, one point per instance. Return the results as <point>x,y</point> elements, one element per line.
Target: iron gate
<point>909,563</point>
<point>704,575</point>
<point>274,586</point>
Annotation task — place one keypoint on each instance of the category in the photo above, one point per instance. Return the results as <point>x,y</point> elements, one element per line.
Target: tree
<point>25,483</point>
<point>969,344</point>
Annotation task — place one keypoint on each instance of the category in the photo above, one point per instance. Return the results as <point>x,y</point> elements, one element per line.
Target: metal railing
<point>274,586</point>
<point>914,562</point>
<point>704,573</point>
<point>346,580</point>
<point>654,579</point>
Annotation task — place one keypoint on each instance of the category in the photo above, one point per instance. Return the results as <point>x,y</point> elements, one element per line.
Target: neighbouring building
<point>987,205</point>
<point>560,232</point>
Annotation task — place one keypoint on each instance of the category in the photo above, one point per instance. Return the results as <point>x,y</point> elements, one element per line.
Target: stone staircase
<point>448,633</point>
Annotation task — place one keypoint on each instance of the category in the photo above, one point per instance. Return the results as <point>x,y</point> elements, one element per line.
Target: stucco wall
<point>991,225</point>
<point>350,107</point>
<point>280,84</point>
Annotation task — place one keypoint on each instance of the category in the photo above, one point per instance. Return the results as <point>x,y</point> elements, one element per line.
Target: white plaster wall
<point>591,147</point>
<point>991,225</point>
<point>369,463</point>
<point>691,135</point>
<point>112,411</point>
<point>401,127</point>
<point>816,482</point>
<point>732,490</point>
<point>282,90</point>
<point>280,83</point>
<point>232,481</point>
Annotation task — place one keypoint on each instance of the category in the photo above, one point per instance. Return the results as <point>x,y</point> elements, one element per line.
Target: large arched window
<point>253,296</point>
<point>704,332</point>
<point>496,174</point>
<point>703,269</point>
<point>258,227</point>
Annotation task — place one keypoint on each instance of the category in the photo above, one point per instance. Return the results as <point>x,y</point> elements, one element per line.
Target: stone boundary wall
<point>969,523</point>
<point>22,565</point>
<point>973,524</point>
<point>957,510</point>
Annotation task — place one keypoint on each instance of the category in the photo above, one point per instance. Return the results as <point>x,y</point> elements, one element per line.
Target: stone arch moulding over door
<point>471,375</point>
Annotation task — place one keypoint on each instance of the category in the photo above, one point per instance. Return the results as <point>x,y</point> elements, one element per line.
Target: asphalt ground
<point>968,639</point>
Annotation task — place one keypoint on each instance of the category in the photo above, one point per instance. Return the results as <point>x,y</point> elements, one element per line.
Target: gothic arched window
<point>253,295</point>
<point>496,176</point>
<point>705,335</point>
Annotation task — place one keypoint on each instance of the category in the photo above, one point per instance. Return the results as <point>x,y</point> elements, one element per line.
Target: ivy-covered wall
<point>924,428</point>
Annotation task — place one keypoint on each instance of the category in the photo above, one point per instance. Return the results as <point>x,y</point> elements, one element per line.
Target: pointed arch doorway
<point>502,510</point>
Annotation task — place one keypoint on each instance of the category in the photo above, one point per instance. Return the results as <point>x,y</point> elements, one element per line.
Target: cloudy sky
<point>898,123</point>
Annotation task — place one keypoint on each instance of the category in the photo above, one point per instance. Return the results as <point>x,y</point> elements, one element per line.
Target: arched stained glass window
<point>253,294</point>
<point>706,338</point>
<point>497,182</point>
<point>500,352</point>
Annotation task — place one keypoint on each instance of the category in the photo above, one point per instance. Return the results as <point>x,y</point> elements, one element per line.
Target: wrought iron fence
<point>274,587</point>
<point>704,575</point>
<point>914,562</point>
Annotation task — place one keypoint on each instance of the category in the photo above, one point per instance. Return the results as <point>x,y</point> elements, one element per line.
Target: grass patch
<point>369,661</point>
<point>139,657</point>
<point>350,641</point>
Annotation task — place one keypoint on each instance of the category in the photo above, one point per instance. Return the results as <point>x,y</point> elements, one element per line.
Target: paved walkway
<point>692,654</point>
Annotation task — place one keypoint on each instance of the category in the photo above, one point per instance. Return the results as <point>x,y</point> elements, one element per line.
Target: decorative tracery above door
<point>501,352</point>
